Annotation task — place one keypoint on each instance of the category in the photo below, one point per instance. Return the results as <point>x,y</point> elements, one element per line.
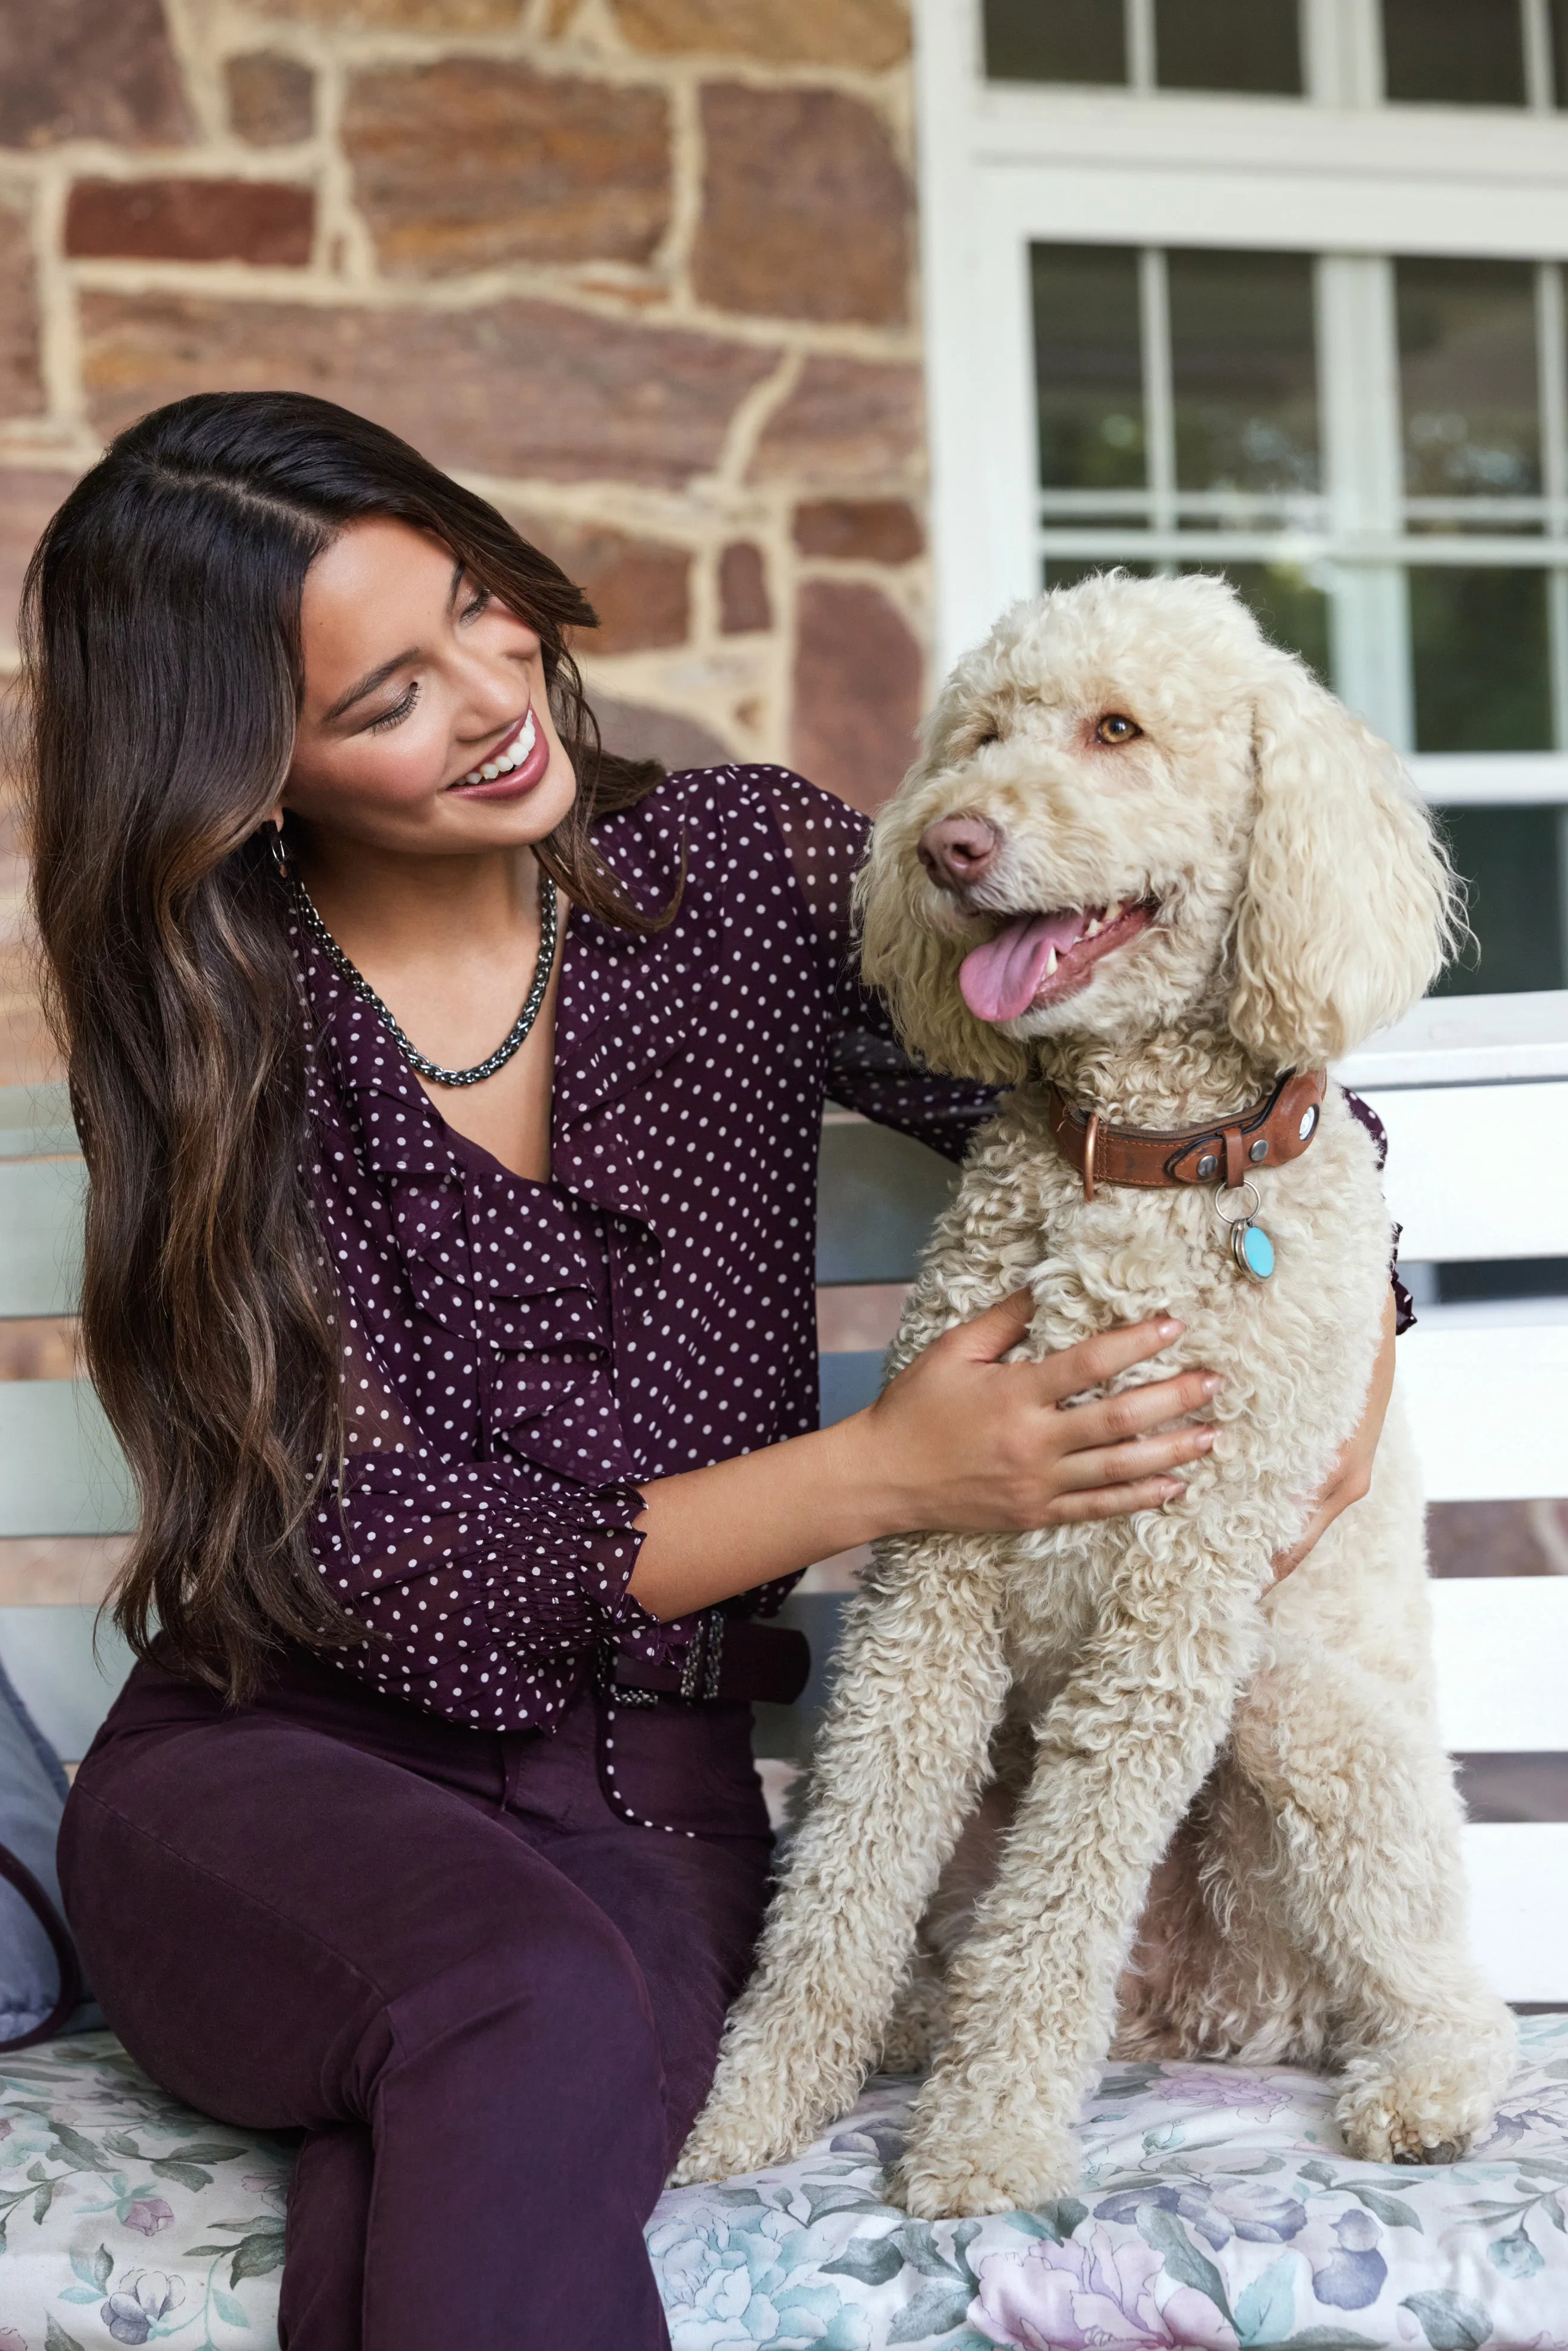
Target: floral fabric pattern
<point>1217,2213</point>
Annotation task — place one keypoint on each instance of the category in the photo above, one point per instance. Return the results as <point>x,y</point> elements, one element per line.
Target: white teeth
<point>1112,911</point>
<point>1091,928</point>
<point>489,771</point>
<point>1051,963</point>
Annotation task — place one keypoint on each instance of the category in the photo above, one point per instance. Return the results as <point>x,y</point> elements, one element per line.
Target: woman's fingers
<point>1122,1465</point>
<point>1111,1420</point>
<point>1114,1502</point>
<point>1094,1361</point>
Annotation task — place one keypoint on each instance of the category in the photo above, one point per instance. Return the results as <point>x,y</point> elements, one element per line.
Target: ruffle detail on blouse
<point>489,1256</point>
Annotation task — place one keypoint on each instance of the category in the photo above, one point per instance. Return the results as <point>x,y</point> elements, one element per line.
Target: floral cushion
<point>1217,2210</point>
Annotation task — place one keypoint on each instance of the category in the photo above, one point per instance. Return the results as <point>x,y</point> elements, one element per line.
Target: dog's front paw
<point>970,2163</point>
<point>721,2147</point>
<point>1424,2102</point>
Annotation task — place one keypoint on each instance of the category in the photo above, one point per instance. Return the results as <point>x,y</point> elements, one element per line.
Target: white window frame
<point>1335,173</point>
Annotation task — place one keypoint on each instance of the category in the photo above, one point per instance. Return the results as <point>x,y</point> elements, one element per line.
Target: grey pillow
<point>40,1982</point>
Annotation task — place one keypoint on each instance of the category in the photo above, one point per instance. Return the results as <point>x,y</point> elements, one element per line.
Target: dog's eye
<point>1116,728</point>
<point>990,736</point>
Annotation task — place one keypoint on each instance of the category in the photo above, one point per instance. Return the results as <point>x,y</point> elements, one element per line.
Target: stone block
<point>90,70</point>
<point>743,601</point>
<point>27,498</point>
<point>21,378</point>
<point>515,388</point>
<point>638,732</point>
<point>869,33</point>
<point>806,210</point>
<point>190,220</point>
<point>850,423</point>
<point>271,97</point>
<point>857,691</point>
<point>471,162</point>
<point>640,588</point>
<point>861,530</point>
<point>454,16</point>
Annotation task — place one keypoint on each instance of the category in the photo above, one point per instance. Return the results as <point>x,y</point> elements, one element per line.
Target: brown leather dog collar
<point>1227,1151</point>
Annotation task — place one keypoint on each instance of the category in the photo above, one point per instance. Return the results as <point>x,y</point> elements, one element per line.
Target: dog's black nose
<point>957,850</point>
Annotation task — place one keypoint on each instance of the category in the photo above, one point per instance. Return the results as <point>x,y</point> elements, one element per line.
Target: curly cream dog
<point>1182,869</point>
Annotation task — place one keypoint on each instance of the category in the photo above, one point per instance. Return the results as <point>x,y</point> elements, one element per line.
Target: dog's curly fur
<point>1158,1732</point>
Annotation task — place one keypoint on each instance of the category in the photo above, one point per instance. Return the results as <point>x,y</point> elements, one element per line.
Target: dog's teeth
<point>1051,963</point>
<point>1112,910</point>
<point>1091,929</point>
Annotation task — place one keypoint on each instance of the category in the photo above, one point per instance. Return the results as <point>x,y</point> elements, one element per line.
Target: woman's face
<point>416,681</point>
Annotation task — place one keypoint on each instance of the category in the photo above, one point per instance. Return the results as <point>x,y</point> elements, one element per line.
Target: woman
<point>464,1358</point>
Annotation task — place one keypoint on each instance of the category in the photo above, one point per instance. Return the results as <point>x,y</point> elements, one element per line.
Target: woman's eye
<point>1115,729</point>
<point>397,713</point>
<point>477,603</point>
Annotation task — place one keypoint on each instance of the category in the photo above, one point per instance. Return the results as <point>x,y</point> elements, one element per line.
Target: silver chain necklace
<point>410,1053</point>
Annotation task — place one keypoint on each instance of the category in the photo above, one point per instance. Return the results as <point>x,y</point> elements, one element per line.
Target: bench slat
<point>1518,1873</point>
<point>1475,1173</point>
<point>1489,1405</point>
<point>40,1235</point>
<point>35,1120</point>
<point>61,1471</point>
<point>879,1194</point>
<point>1502,1647</point>
<point>66,1687</point>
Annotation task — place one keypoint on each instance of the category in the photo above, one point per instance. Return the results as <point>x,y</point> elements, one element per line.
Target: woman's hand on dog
<point>1350,1477</point>
<point>962,1443</point>
<point>959,1442</point>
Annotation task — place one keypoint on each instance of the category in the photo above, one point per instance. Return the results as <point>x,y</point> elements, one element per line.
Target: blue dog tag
<point>1254,1251</point>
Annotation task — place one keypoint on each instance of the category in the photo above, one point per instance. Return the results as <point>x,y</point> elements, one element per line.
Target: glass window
<point>1454,52</point>
<point>1244,373</point>
<point>1471,390</point>
<point>1479,659</point>
<point>1511,859</point>
<point>1181,429</point>
<point>1089,367</point>
<point>1056,40</point>
<point>1245,45</point>
<point>1288,605</point>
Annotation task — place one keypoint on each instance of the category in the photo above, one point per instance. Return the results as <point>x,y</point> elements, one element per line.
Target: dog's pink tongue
<point>999,980</point>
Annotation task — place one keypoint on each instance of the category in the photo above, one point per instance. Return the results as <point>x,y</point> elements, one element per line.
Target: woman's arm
<point>1350,1477</point>
<point>959,1442</point>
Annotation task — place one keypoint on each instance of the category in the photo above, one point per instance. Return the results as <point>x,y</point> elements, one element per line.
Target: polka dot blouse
<point>518,1357</point>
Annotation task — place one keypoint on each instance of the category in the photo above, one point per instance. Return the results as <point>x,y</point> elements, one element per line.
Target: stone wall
<point>642,271</point>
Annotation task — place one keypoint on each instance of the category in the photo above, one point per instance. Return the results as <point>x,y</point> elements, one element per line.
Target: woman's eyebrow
<point>372,678</point>
<point>369,684</point>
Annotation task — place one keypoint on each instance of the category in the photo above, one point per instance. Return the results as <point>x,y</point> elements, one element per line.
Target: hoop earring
<point>279,854</point>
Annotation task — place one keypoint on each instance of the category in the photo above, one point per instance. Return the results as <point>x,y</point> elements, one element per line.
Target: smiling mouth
<point>515,766</point>
<point>1039,959</point>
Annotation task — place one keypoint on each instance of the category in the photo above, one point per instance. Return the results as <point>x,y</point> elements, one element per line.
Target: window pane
<point>1454,52</point>
<point>1067,570</point>
<point>1286,606</point>
<point>1245,368</point>
<point>1467,373</point>
<point>1087,367</point>
<point>1559,12</point>
<point>1056,40</point>
<point>1509,857</point>
<point>1228,45</point>
<point>1477,655</point>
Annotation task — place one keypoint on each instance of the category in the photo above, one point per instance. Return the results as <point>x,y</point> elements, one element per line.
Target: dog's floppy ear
<point>1348,906</point>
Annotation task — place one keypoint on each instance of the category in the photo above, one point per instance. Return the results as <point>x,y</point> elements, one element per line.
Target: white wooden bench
<point>1474,1093</point>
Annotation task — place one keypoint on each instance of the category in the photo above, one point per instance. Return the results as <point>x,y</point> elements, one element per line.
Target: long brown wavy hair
<point>161,630</point>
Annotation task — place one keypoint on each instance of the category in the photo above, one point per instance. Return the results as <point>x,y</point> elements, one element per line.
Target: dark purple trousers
<point>490,2002</point>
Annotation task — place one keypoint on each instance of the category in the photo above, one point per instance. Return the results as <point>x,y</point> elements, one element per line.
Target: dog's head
<point>1131,812</point>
